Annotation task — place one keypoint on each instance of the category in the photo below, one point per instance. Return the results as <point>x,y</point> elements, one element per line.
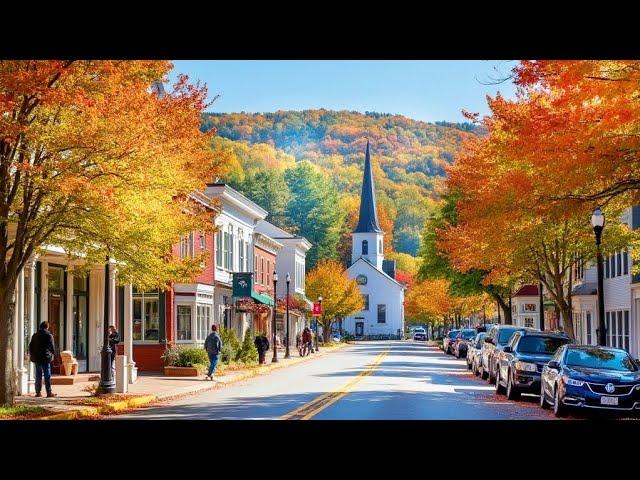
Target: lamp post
<point>597,221</point>
<point>275,302</point>
<point>286,352</point>
<point>317,320</point>
<point>107,383</point>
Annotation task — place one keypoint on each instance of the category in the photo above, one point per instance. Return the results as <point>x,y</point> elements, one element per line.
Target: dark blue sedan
<point>582,376</point>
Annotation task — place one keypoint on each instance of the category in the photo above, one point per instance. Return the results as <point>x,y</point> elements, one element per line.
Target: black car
<point>448,340</point>
<point>494,342</point>
<point>462,340</point>
<point>583,376</point>
<point>520,363</point>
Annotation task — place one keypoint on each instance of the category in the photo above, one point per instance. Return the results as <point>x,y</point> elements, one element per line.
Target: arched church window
<point>365,247</point>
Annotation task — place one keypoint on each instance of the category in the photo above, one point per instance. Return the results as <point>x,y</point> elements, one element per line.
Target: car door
<point>487,348</point>
<point>549,375</point>
<point>506,358</point>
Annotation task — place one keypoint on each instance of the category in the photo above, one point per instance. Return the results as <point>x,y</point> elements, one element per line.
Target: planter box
<point>181,371</point>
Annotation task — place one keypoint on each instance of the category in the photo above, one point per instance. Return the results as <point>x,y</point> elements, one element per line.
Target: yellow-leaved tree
<point>340,294</point>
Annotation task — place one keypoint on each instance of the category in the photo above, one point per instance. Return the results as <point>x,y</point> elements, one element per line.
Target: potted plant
<point>184,361</point>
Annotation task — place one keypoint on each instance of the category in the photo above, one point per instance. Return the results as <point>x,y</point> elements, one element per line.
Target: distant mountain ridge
<point>409,156</point>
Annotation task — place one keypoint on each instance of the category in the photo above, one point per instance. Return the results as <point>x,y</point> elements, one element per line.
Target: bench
<point>69,364</point>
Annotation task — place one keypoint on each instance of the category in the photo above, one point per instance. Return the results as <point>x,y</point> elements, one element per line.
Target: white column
<point>128,332</point>
<point>96,316</point>
<point>32,319</point>
<point>21,371</point>
<point>113,271</point>
<point>69,313</point>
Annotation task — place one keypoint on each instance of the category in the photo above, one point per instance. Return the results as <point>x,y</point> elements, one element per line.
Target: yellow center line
<point>315,406</point>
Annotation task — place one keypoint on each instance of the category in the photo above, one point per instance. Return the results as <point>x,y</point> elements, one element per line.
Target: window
<point>231,249</point>
<point>218,249</point>
<point>625,262</point>
<point>267,273</point>
<point>626,330</point>
<point>299,277</point>
<point>146,316</point>
<point>365,247</point>
<point>382,314</point>
<point>262,270</point>
<point>588,328</point>
<point>246,256</point>
<point>606,268</point>
<point>225,253</point>
<point>184,322</point>
<point>620,331</point>
<point>203,321</point>
<point>528,322</point>
<point>186,246</point>
<point>241,252</point>
<point>619,263</point>
<point>55,278</point>
<point>255,269</point>
<point>365,299</point>
<point>203,242</point>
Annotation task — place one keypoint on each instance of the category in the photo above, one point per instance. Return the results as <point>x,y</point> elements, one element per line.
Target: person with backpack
<point>42,351</point>
<point>262,345</point>
<point>213,346</point>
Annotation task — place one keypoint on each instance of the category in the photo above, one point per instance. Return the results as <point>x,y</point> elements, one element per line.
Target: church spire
<point>368,221</point>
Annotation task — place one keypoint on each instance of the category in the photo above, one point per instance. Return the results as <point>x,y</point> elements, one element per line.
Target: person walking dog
<point>213,346</point>
<point>42,351</point>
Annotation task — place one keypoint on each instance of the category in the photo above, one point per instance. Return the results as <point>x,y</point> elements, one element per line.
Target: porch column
<point>32,327</point>
<point>128,332</point>
<point>112,295</point>
<point>20,371</point>
<point>69,313</point>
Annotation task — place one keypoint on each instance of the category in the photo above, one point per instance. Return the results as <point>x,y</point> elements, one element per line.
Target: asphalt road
<point>386,380</point>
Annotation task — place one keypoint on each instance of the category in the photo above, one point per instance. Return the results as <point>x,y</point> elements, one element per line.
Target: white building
<point>290,259</point>
<point>383,313</point>
<point>525,304</point>
<point>234,249</point>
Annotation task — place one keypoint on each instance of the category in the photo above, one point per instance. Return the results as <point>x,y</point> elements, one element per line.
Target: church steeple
<point>368,221</point>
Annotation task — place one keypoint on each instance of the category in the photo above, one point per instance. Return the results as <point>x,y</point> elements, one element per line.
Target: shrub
<point>170,355</point>
<point>192,357</point>
<point>230,345</point>
<point>248,353</point>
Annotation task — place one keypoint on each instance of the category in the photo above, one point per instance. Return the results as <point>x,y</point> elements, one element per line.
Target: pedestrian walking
<point>42,351</point>
<point>114,340</point>
<point>213,346</point>
<point>262,345</point>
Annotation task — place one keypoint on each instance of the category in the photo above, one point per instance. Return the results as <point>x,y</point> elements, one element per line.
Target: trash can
<point>122,377</point>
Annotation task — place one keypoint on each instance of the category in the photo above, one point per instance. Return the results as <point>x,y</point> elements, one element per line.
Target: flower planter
<point>181,371</point>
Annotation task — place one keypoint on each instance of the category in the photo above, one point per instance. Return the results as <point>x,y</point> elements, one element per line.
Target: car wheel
<point>512,393</point>
<point>558,408</point>
<point>499,388</point>
<point>475,370</point>
<point>457,353</point>
<point>492,378</point>
<point>543,401</point>
<point>483,373</point>
<point>468,365</point>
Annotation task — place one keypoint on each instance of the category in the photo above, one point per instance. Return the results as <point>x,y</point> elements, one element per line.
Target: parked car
<point>520,363</point>
<point>420,334</point>
<point>473,352</point>
<point>584,376</point>
<point>448,340</point>
<point>494,342</point>
<point>461,342</point>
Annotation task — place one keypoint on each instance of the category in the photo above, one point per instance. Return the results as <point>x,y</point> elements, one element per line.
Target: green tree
<point>313,212</point>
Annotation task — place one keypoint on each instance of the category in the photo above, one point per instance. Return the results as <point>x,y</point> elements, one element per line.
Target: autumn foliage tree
<point>340,294</point>
<point>94,160</point>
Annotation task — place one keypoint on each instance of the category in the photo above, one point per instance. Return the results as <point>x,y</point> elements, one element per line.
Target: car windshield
<point>539,344</point>
<point>468,334</point>
<point>505,335</point>
<point>601,358</point>
<point>452,334</point>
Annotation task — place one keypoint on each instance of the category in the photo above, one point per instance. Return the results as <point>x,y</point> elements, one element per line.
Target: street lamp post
<point>317,320</point>
<point>275,302</point>
<point>286,352</point>
<point>597,221</point>
<point>107,383</point>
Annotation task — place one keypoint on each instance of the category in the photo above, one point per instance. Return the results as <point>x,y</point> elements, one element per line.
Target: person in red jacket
<point>307,338</point>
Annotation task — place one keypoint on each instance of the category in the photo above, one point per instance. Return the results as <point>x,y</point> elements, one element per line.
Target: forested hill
<point>409,156</point>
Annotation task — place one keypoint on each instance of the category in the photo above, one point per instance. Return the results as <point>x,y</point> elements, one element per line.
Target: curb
<point>147,399</point>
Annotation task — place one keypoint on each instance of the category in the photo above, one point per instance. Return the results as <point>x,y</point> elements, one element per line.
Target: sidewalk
<point>72,402</point>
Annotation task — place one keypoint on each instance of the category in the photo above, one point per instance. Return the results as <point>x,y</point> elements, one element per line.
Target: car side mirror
<point>508,350</point>
<point>553,365</point>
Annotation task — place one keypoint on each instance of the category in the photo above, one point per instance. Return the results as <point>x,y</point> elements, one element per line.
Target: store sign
<point>242,284</point>
<point>317,309</point>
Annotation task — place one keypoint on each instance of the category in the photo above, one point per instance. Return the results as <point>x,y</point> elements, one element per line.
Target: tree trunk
<point>7,375</point>
<point>505,308</point>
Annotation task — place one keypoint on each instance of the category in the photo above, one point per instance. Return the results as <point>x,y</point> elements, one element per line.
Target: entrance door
<point>80,331</point>
<point>359,329</point>
<point>55,327</point>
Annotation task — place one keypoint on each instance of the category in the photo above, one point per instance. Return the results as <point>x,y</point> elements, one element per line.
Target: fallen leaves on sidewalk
<point>22,412</point>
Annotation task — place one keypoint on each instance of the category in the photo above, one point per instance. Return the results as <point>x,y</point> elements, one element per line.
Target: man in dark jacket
<point>262,345</point>
<point>213,345</point>
<point>114,340</point>
<point>42,351</point>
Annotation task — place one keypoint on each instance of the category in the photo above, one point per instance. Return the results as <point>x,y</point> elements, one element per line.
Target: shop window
<point>203,322</point>
<point>146,316</point>
<point>184,322</point>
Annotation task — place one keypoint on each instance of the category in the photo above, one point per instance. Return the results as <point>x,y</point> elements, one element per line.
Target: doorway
<point>55,327</point>
<point>359,329</point>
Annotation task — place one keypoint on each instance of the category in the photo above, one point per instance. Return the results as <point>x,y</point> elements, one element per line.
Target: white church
<point>383,312</point>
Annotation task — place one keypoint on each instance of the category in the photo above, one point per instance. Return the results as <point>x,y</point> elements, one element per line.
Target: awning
<point>262,298</point>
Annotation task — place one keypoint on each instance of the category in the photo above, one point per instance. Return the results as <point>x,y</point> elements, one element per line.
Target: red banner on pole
<point>317,309</point>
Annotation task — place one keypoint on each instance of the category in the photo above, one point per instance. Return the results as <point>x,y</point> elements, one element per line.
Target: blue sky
<point>426,90</point>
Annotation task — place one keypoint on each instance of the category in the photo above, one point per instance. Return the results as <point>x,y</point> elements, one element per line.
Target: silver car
<point>473,353</point>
